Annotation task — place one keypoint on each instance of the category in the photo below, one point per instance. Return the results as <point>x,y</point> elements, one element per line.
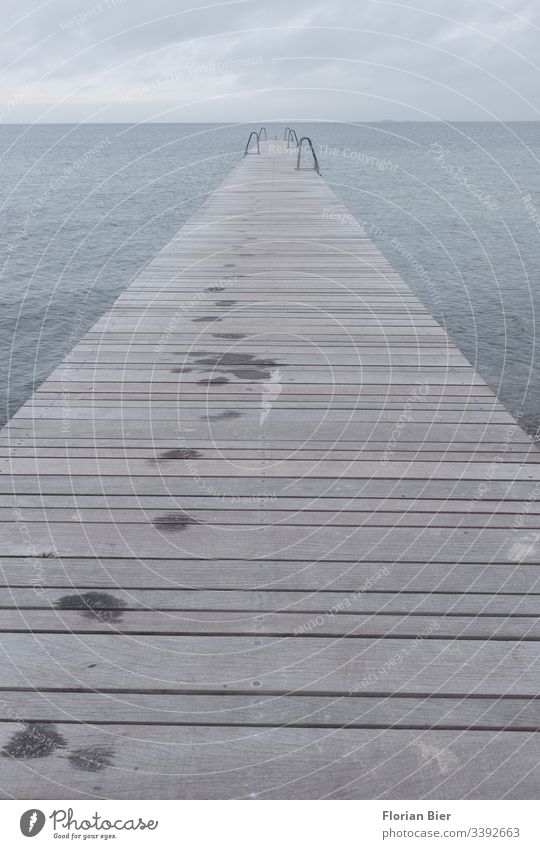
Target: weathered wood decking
<point>266,533</point>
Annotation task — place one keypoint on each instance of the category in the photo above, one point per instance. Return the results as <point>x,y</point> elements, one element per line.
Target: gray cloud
<point>168,60</point>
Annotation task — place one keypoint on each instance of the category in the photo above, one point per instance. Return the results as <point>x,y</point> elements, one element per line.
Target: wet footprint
<point>36,740</point>
<point>91,759</point>
<point>94,605</point>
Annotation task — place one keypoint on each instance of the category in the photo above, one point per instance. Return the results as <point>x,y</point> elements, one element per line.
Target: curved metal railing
<point>256,134</point>
<point>315,160</point>
<point>287,130</point>
<point>289,137</point>
<point>260,132</point>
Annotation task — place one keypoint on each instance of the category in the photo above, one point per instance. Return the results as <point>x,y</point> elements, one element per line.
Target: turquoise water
<point>456,208</point>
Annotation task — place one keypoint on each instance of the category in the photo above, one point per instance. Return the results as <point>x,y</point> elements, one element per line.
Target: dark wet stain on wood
<point>180,454</point>
<point>91,759</point>
<point>215,288</point>
<point>177,521</point>
<point>94,605</point>
<point>207,318</point>
<point>250,374</point>
<point>226,361</point>
<point>226,414</point>
<point>229,335</point>
<point>36,740</point>
<point>233,358</point>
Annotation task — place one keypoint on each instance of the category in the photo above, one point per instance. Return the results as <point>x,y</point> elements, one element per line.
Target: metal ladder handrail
<point>256,134</point>
<point>287,130</point>
<point>291,133</point>
<point>260,131</point>
<point>315,160</point>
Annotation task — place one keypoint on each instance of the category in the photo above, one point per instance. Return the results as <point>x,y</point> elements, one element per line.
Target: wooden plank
<point>359,433</point>
<point>320,665</point>
<point>261,492</point>
<point>164,453</point>
<point>330,603</point>
<point>183,537</point>
<point>171,515</point>
<point>226,623</point>
<point>333,470</point>
<point>359,711</point>
<point>40,572</point>
<point>301,507</point>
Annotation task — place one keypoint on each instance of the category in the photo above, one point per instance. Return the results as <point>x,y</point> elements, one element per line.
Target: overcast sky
<point>258,60</point>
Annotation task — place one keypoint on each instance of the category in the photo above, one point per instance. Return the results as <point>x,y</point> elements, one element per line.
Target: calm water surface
<point>456,209</point>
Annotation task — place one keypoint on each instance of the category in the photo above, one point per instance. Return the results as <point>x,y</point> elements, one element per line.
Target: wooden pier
<point>267,534</point>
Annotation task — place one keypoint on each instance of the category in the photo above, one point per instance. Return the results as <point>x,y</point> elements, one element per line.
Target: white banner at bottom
<point>264,824</point>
